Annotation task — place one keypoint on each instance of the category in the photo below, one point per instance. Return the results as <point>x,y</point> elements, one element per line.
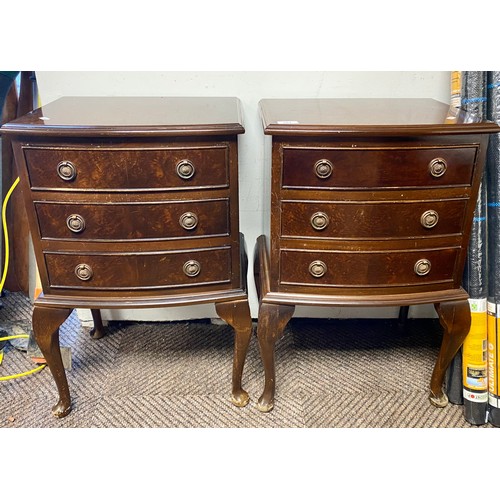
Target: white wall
<point>249,87</point>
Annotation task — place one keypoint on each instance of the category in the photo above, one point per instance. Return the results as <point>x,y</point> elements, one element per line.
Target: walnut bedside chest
<point>370,203</point>
<point>133,203</point>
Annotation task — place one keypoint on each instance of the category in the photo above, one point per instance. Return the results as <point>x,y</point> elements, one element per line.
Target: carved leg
<point>46,323</point>
<point>237,314</point>
<point>455,319</point>
<point>98,332</point>
<point>271,325</point>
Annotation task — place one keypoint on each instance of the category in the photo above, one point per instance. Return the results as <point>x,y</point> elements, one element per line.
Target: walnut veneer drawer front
<point>368,220</point>
<point>116,271</point>
<point>133,221</point>
<point>367,269</point>
<point>357,168</point>
<point>127,168</point>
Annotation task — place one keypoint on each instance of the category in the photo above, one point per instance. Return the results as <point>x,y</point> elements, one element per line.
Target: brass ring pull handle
<point>66,171</point>
<point>323,168</point>
<point>319,221</point>
<point>84,272</point>
<point>188,220</point>
<point>191,268</point>
<point>75,223</point>
<point>437,167</point>
<point>317,268</point>
<point>422,267</point>
<point>429,219</point>
<point>185,169</point>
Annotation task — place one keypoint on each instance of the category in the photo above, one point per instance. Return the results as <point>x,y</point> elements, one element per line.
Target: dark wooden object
<point>133,202</point>
<point>17,279</point>
<point>370,203</point>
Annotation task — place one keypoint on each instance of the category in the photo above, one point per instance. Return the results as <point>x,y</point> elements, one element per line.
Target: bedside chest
<point>133,203</point>
<point>370,203</point>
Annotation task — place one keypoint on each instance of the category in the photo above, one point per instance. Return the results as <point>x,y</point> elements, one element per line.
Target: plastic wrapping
<point>474,97</point>
<point>474,363</point>
<point>453,379</point>
<point>456,89</point>
<point>471,96</point>
<point>493,180</point>
<point>475,277</point>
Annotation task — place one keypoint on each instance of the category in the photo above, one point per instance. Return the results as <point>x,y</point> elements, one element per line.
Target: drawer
<point>133,221</point>
<point>367,269</point>
<point>135,271</point>
<point>369,220</point>
<point>342,168</point>
<point>114,169</point>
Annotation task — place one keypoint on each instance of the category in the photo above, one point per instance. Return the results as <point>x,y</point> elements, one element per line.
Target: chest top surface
<point>132,116</point>
<point>396,117</point>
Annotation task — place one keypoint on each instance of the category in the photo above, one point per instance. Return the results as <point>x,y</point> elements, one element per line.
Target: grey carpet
<point>330,373</point>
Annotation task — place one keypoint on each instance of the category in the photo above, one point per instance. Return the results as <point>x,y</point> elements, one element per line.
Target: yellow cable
<point>4,277</point>
<point>20,336</point>
<point>6,234</point>
<point>17,375</point>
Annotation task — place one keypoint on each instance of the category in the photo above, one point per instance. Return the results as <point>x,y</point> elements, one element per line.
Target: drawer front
<point>377,168</point>
<point>136,271</point>
<point>370,269</point>
<point>127,169</point>
<point>133,221</point>
<point>365,220</point>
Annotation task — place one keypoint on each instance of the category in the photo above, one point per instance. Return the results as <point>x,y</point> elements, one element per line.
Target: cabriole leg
<point>455,319</point>
<point>98,332</point>
<point>46,323</point>
<point>237,315</point>
<point>273,319</point>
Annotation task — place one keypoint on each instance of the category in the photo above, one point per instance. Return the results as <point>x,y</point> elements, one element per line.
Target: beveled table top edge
<point>368,116</point>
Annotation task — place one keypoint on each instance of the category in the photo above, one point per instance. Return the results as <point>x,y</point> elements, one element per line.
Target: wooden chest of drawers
<point>371,203</point>
<point>133,202</point>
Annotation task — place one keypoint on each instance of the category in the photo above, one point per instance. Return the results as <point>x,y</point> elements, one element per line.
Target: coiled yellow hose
<point>2,283</point>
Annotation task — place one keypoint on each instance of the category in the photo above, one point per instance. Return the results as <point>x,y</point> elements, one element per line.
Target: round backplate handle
<point>422,267</point>
<point>437,167</point>
<point>191,268</point>
<point>317,268</point>
<point>319,221</point>
<point>84,272</point>
<point>323,168</point>
<point>185,169</point>
<point>188,220</point>
<point>429,219</point>
<point>66,171</point>
<point>75,223</point>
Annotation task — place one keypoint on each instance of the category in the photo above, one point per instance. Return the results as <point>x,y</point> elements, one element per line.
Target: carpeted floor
<point>330,373</point>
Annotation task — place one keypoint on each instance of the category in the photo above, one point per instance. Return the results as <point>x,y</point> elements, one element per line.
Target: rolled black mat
<point>475,273</point>
<point>493,171</point>
<point>475,278</point>
<point>472,99</point>
<point>493,181</point>
<point>453,382</point>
